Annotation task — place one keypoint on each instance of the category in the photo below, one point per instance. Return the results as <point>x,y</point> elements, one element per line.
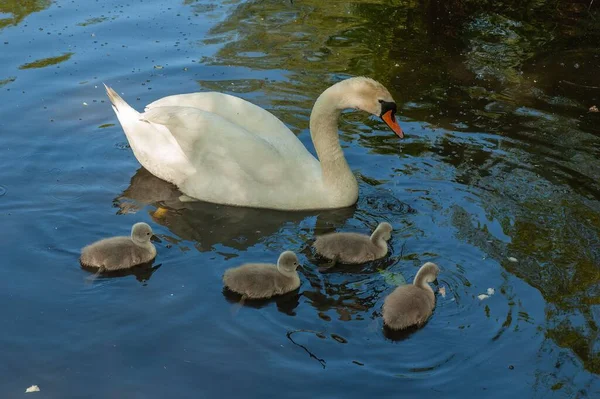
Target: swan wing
<point>234,166</point>
<point>236,110</point>
<point>222,152</point>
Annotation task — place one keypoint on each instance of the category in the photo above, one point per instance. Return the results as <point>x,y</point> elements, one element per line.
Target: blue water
<point>500,161</point>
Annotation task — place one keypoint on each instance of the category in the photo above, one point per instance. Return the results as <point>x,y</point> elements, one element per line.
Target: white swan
<point>220,148</point>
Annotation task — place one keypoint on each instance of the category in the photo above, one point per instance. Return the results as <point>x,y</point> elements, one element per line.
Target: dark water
<point>497,182</point>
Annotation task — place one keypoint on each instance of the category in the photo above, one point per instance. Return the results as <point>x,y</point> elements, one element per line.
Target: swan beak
<point>390,119</point>
<point>155,238</point>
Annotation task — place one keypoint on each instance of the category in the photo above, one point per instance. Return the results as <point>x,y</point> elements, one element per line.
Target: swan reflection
<point>209,224</point>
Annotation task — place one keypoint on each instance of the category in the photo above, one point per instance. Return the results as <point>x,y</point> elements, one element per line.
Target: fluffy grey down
<point>264,280</point>
<point>411,304</point>
<point>353,248</point>
<point>406,306</point>
<point>117,253</point>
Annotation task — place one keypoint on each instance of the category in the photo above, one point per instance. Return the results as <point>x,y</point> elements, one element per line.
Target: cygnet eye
<point>147,234</point>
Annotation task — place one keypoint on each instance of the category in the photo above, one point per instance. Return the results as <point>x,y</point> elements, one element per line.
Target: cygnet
<point>411,304</point>
<point>118,253</point>
<point>264,280</point>
<point>353,248</point>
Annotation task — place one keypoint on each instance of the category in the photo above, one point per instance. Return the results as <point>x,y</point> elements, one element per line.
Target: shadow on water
<point>286,303</point>
<point>142,273</point>
<point>399,335</point>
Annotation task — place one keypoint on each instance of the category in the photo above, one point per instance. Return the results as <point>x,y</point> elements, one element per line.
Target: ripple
<point>2,190</point>
<point>67,191</point>
<point>123,146</point>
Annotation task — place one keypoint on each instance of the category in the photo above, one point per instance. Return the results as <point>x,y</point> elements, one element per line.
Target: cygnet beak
<point>435,282</point>
<point>155,238</point>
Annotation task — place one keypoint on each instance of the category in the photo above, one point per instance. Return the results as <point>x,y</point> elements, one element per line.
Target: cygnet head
<point>427,273</point>
<point>287,262</point>
<point>383,230</point>
<point>141,233</point>
<point>371,96</point>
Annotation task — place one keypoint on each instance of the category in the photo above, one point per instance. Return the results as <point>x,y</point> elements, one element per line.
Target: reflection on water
<point>46,61</point>
<point>285,303</point>
<point>19,9</point>
<point>142,273</point>
<point>207,224</point>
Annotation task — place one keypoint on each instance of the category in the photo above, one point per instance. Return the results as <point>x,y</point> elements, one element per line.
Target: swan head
<point>287,262</point>
<point>141,233</point>
<point>427,273</point>
<point>371,96</point>
<point>384,231</point>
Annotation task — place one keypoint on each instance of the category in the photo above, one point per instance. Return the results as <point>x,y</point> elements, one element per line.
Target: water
<point>500,163</point>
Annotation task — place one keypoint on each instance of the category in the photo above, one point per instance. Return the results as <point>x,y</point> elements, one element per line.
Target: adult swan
<point>219,148</point>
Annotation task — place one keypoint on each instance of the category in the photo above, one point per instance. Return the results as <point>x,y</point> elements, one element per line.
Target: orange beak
<point>390,119</point>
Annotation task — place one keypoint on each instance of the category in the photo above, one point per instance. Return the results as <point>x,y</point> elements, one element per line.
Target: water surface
<point>496,181</point>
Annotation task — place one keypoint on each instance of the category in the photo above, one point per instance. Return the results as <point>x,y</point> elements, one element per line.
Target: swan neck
<point>378,241</point>
<point>420,281</point>
<point>324,133</point>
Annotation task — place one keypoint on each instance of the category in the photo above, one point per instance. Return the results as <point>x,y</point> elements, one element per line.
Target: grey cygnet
<point>264,280</point>
<point>118,253</point>
<point>411,304</point>
<point>353,248</point>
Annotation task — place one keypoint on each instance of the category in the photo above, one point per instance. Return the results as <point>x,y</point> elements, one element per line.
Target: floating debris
<point>158,67</point>
<point>514,260</point>
<point>489,293</point>
<point>442,291</point>
<point>593,108</point>
<point>33,388</point>
<point>85,103</point>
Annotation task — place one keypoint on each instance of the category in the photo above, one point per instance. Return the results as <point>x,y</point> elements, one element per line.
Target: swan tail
<point>123,110</point>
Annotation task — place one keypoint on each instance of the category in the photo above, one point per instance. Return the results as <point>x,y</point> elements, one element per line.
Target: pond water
<point>496,181</point>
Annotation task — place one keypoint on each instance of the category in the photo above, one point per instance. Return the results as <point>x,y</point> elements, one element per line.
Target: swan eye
<point>381,101</point>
